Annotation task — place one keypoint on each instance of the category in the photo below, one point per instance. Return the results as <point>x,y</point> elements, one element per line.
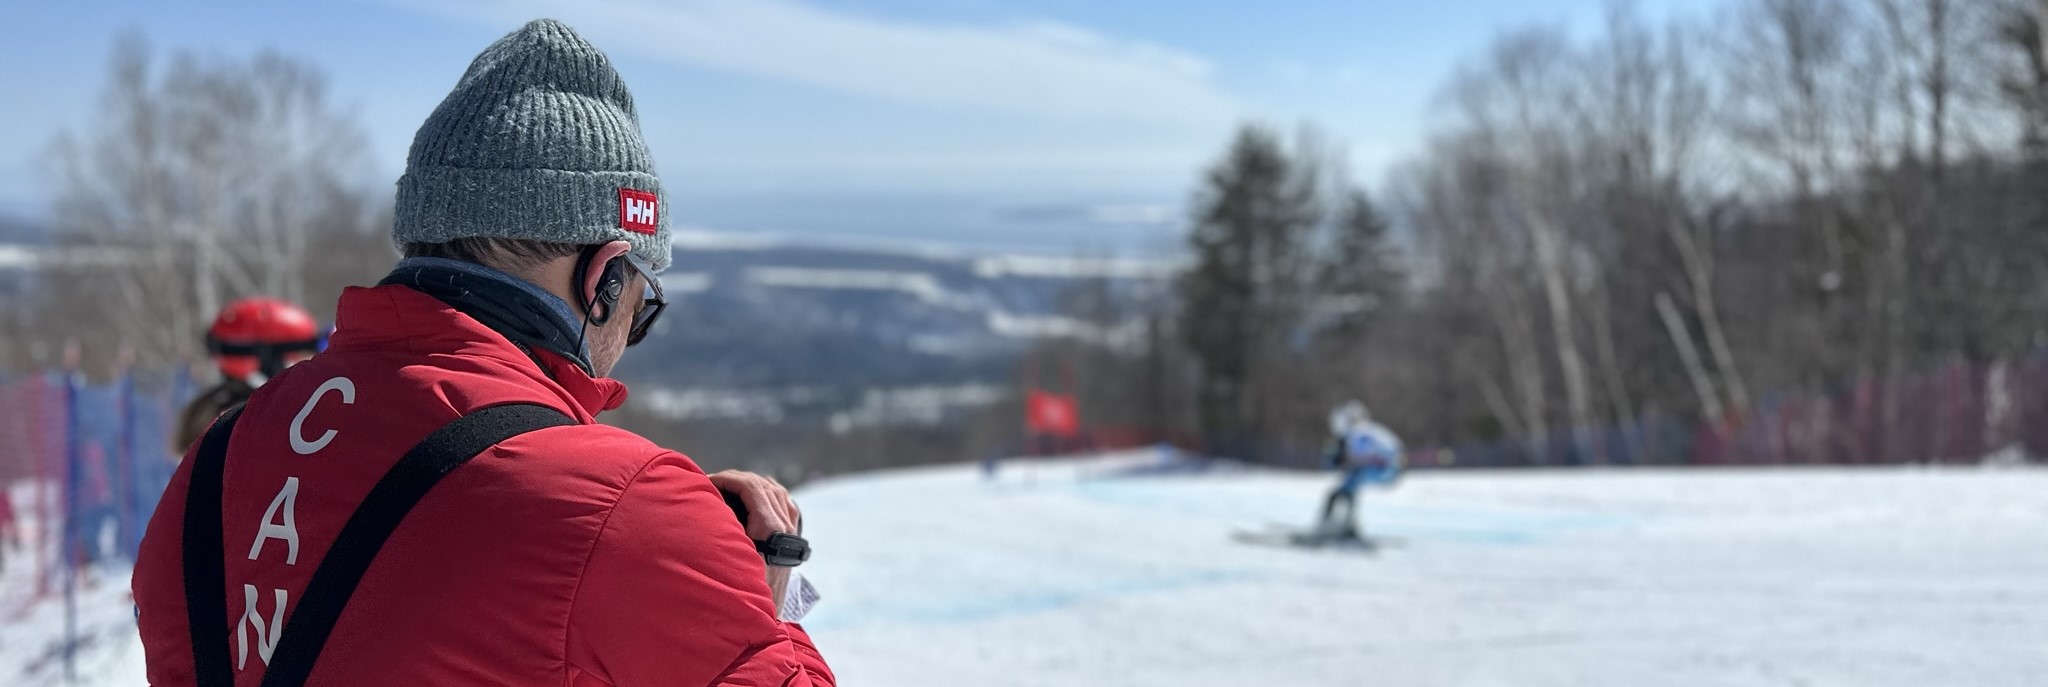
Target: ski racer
<point>1367,453</point>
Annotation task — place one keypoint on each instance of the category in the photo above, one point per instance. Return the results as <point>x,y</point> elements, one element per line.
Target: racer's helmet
<point>1347,417</point>
<point>254,339</point>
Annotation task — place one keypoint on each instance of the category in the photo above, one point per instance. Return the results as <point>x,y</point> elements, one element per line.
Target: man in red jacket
<point>576,554</point>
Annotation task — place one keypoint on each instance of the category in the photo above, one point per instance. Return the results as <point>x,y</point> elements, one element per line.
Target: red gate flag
<point>1052,414</point>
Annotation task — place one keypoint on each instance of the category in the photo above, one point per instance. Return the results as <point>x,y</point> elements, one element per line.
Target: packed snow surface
<point>1084,573</point>
<point>1108,571</point>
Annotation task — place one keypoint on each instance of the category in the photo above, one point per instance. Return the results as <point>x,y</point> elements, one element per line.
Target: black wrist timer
<point>784,550</point>
<point>780,549</point>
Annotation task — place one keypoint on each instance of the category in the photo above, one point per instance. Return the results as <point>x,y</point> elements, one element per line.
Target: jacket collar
<point>594,394</point>
<point>525,314</point>
<point>398,316</point>
<point>552,302</point>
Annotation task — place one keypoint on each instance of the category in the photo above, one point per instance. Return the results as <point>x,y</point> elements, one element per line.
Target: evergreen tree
<point>1251,218</point>
<point>1361,275</point>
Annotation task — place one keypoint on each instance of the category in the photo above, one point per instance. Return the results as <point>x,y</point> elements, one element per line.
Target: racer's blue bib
<point>1375,457</point>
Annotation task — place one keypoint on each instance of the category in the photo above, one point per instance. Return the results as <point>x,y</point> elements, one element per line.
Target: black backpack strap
<point>206,601</point>
<point>335,580</point>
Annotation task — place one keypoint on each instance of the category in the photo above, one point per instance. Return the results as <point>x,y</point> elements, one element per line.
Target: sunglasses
<point>652,301</point>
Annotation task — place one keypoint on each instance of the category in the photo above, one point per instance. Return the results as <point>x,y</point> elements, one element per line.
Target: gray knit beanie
<point>538,141</point>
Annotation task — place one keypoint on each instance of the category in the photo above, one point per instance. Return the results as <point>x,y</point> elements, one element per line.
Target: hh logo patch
<point>637,210</point>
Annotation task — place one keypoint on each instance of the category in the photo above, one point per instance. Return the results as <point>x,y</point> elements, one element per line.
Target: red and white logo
<point>637,210</point>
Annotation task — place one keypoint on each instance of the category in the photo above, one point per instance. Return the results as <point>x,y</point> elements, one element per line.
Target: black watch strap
<point>780,549</point>
<point>784,550</point>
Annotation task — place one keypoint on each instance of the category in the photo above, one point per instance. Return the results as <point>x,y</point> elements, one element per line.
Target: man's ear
<point>594,275</point>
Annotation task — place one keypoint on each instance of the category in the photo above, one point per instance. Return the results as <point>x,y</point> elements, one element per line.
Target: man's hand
<point>769,508</point>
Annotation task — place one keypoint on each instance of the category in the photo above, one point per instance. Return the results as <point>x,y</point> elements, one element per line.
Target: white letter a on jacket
<point>287,500</point>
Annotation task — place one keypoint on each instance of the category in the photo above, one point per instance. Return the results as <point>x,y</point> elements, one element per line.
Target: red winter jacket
<point>578,555</point>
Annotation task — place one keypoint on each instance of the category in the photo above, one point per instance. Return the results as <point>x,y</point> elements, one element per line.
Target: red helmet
<point>261,335</point>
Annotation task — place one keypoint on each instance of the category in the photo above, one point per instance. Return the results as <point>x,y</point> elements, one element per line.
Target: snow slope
<point>1090,573</point>
<point>33,613</point>
<point>1070,576</point>
<point>31,647</point>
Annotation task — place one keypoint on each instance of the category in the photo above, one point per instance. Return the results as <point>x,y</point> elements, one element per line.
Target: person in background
<point>535,546</point>
<point>1367,453</point>
<point>251,340</point>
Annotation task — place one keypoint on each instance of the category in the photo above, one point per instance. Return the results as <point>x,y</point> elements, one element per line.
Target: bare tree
<point>1450,200</point>
<point>1798,196</point>
<point>205,180</point>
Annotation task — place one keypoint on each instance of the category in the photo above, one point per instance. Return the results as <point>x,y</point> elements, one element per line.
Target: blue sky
<point>1040,124</point>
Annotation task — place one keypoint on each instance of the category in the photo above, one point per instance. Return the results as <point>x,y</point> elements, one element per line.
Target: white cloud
<point>1038,68</point>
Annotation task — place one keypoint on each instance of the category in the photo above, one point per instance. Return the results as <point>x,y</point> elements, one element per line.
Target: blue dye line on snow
<point>999,605</point>
<point>1419,522</point>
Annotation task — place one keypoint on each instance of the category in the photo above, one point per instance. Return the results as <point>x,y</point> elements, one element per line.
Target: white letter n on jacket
<point>266,633</point>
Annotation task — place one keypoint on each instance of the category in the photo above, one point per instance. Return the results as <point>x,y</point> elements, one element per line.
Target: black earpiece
<point>611,285</point>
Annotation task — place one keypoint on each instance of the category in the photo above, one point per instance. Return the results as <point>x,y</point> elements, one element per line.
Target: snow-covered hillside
<point>754,313</point>
<point>1070,575</point>
<point>1102,572</point>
